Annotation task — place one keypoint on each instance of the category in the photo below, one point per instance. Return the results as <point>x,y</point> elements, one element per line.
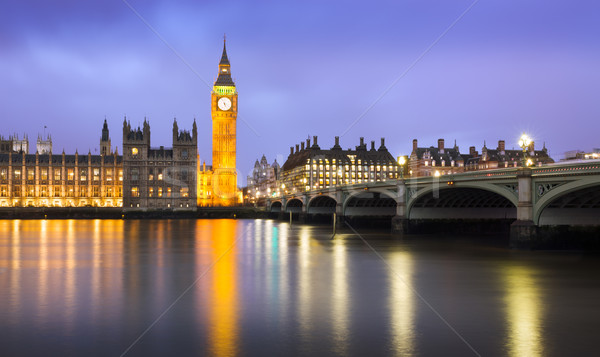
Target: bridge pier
<point>339,215</point>
<point>399,221</point>
<point>523,232</point>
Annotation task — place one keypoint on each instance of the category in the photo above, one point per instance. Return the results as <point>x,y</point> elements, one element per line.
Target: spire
<point>224,78</point>
<point>224,59</point>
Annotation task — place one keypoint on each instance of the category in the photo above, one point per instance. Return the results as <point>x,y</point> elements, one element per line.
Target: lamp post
<point>524,143</point>
<point>401,162</point>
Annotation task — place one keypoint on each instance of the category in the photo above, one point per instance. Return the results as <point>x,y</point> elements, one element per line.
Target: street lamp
<point>401,162</point>
<point>524,143</point>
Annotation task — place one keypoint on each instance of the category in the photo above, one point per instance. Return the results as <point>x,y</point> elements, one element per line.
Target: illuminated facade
<point>310,168</point>
<point>159,178</point>
<point>218,185</point>
<point>432,161</point>
<point>264,180</point>
<point>48,180</point>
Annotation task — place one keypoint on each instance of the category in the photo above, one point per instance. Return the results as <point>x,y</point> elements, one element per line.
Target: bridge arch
<point>321,204</point>
<point>472,201</point>
<point>276,207</point>
<point>371,202</point>
<point>572,203</point>
<point>294,205</point>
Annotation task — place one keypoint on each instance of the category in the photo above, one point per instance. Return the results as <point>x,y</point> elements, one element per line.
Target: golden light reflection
<point>15,300</point>
<point>70,275</point>
<point>402,304</point>
<point>524,312</point>
<point>339,298</point>
<point>304,283</point>
<point>43,267</point>
<point>223,309</point>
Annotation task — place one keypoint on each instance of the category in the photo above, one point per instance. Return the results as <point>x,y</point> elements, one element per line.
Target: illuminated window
<point>83,174</point>
<point>150,191</point>
<point>70,174</point>
<point>83,192</point>
<point>135,192</point>
<point>95,191</point>
<point>96,172</point>
<point>168,191</point>
<point>44,174</point>
<point>30,174</point>
<point>160,192</point>
<point>120,175</point>
<point>17,174</point>
<point>184,192</point>
<point>134,151</point>
<point>109,191</point>
<point>3,174</point>
<point>56,191</point>
<point>108,174</point>
<point>4,191</point>
<point>160,175</point>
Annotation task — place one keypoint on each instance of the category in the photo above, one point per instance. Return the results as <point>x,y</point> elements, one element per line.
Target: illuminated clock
<point>224,103</point>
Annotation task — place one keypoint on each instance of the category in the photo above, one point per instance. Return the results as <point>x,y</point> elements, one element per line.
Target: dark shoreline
<point>120,213</point>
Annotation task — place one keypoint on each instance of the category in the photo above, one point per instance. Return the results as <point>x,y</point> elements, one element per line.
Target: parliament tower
<point>224,107</point>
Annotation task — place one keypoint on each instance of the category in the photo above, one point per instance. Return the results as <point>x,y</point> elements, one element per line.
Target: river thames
<point>263,288</point>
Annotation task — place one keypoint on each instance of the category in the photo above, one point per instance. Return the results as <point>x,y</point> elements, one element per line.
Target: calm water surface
<point>259,288</point>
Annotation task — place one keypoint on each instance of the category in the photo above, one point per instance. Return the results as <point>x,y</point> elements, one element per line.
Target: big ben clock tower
<point>224,113</point>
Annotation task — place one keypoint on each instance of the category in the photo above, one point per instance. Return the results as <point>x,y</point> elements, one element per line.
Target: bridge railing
<point>557,169</point>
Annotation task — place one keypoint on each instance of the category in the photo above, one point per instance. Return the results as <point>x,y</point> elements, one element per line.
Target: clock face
<point>224,103</point>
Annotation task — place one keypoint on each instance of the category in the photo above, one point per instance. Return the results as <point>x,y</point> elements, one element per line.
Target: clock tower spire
<point>224,117</point>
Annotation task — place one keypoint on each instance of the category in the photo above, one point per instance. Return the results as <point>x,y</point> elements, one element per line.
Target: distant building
<point>430,161</point>
<point>105,148</point>
<point>264,180</point>
<point>426,161</point>
<point>502,158</point>
<point>582,155</point>
<point>14,144</point>
<point>21,145</point>
<point>159,178</point>
<point>44,146</point>
<point>310,167</point>
<point>48,180</point>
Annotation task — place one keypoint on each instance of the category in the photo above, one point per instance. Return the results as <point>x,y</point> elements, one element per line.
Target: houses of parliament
<point>142,178</point>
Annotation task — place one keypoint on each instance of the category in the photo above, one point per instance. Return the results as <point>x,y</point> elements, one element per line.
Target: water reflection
<point>265,289</point>
<point>340,298</point>
<point>402,303</point>
<point>304,287</point>
<point>524,312</point>
<point>223,300</point>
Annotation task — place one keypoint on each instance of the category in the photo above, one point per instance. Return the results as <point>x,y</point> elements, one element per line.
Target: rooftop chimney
<point>315,141</point>
<point>472,151</point>
<point>362,141</point>
<point>414,144</point>
<point>501,146</point>
<point>291,150</point>
<point>441,145</point>
<point>302,146</point>
<point>297,147</point>
<point>307,143</point>
<point>372,145</point>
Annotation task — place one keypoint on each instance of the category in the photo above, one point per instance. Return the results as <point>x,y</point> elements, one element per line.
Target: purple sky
<point>306,68</point>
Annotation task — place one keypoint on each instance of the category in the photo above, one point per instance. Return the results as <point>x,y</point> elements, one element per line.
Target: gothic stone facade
<point>159,178</point>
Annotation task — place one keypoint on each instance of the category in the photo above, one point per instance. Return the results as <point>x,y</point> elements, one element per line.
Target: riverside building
<point>309,167</point>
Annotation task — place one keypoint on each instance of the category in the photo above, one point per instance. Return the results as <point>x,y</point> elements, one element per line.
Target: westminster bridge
<point>534,199</point>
